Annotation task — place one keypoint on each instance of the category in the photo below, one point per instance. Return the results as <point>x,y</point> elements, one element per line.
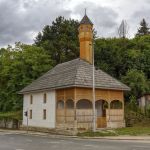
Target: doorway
<point>101,106</point>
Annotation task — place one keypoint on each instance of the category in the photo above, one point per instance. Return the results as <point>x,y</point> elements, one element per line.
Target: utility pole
<point>94,112</point>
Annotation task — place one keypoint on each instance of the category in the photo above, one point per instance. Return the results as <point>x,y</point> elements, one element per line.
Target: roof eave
<point>70,86</point>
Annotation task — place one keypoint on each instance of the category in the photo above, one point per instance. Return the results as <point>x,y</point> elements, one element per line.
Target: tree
<point>19,67</point>
<point>60,40</point>
<point>137,81</point>
<point>143,29</point>
<point>112,56</point>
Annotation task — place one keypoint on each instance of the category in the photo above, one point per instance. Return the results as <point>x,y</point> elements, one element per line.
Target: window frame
<point>31,99</point>
<point>44,114</point>
<point>45,98</point>
<point>30,114</point>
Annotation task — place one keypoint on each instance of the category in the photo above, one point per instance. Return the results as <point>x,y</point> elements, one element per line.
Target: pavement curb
<point>119,138</point>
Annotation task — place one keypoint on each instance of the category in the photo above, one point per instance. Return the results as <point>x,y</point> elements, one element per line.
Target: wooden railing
<point>84,117</point>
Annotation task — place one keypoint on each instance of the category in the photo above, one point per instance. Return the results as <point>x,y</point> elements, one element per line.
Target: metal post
<point>27,121</point>
<point>94,113</point>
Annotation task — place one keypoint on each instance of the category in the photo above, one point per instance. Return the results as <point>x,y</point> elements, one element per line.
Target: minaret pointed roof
<point>86,20</point>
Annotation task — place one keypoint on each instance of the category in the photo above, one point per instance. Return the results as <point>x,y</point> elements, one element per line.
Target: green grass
<point>116,132</point>
<point>96,134</point>
<point>133,131</point>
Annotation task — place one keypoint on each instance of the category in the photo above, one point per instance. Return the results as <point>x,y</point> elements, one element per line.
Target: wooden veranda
<point>74,108</point>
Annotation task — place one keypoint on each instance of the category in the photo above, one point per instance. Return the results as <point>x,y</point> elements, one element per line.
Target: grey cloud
<point>137,17</point>
<point>104,18</point>
<point>20,19</point>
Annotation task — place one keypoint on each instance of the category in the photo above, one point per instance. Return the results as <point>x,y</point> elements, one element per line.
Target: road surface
<point>11,141</point>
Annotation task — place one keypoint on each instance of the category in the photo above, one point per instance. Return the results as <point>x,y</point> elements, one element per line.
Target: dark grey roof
<point>86,20</point>
<point>75,73</point>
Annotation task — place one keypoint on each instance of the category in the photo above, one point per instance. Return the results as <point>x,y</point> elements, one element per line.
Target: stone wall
<point>9,124</point>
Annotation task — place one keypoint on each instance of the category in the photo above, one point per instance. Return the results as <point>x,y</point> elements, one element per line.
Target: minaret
<point>86,39</point>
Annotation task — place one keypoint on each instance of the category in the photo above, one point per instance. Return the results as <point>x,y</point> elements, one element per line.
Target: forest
<point>126,59</point>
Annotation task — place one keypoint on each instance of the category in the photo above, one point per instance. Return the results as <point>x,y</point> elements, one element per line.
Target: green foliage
<point>60,39</point>
<point>134,115</point>
<point>148,111</point>
<point>143,29</point>
<point>127,60</point>
<point>19,67</point>
<point>136,81</point>
<point>11,115</point>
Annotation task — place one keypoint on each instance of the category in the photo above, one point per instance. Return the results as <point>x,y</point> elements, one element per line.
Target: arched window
<point>70,104</point>
<point>101,103</point>
<point>60,104</point>
<point>84,104</point>
<point>116,104</point>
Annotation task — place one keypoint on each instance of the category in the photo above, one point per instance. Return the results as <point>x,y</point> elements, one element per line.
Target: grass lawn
<point>121,131</point>
<point>133,131</point>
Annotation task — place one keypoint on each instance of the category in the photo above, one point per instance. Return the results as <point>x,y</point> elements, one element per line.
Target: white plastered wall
<point>37,110</point>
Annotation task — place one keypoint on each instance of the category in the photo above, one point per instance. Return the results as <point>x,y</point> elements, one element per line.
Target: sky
<point>21,20</point>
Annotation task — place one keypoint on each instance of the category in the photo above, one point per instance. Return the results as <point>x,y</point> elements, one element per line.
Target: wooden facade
<point>75,108</point>
<point>85,39</point>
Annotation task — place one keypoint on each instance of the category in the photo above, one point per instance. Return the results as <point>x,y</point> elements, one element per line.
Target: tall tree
<point>137,82</point>
<point>60,39</point>
<point>143,29</point>
<point>19,67</point>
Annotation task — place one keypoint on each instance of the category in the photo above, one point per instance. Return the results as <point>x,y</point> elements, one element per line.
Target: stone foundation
<point>60,131</point>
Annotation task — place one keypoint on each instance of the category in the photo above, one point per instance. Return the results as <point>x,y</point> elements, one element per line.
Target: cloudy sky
<point>21,20</point>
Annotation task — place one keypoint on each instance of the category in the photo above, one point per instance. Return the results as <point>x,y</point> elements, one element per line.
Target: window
<point>60,104</point>
<point>44,98</point>
<point>116,104</point>
<point>44,114</point>
<point>30,114</point>
<point>31,99</point>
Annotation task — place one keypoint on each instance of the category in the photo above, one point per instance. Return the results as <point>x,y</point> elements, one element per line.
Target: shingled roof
<point>75,73</point>
<point>86,20</point>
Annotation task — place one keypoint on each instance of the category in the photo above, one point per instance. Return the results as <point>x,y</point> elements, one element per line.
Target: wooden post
<point>64,113</point>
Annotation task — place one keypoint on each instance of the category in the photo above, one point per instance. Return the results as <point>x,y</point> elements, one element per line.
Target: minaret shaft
<point>86,39</point>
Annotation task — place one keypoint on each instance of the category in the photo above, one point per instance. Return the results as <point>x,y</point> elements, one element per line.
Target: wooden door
<point>101,122</point>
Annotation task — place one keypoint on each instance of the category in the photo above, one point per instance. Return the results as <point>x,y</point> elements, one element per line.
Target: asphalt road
<point>9,141</point>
